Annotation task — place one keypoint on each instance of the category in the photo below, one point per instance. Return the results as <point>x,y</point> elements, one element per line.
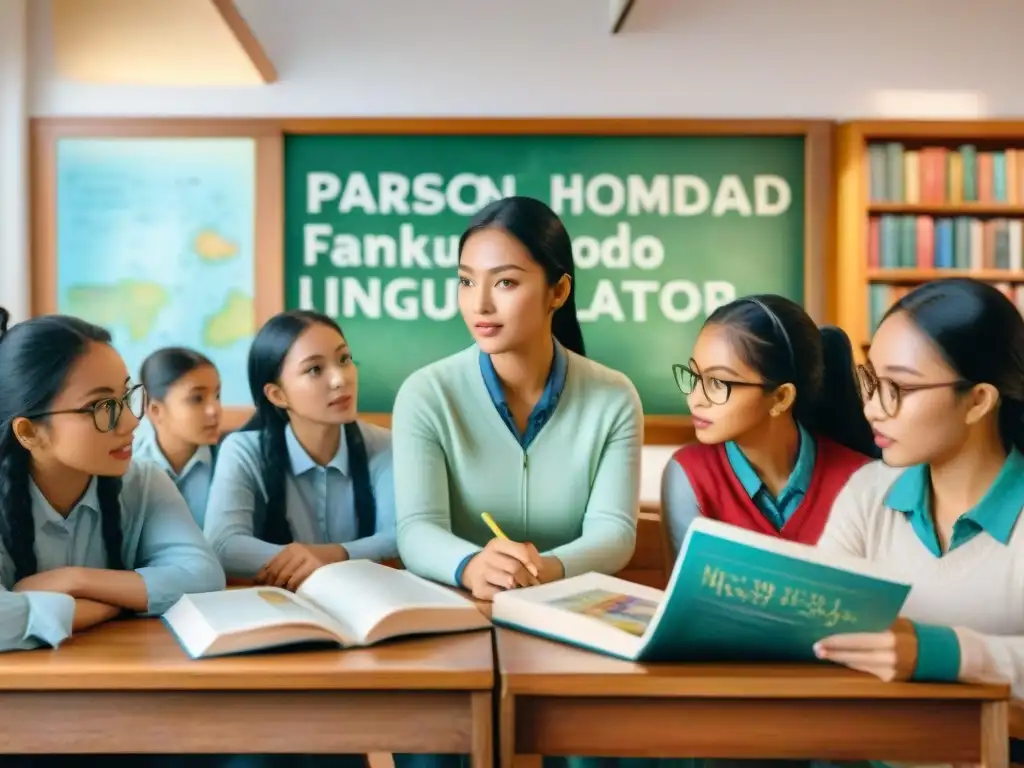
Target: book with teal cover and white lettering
<point>734,595</point>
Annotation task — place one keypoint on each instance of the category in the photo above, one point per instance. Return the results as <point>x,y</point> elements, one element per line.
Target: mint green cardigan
<point>574,493</point>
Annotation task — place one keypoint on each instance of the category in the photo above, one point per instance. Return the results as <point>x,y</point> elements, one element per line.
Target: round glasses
<point>891,393</point>
<point>107,412</point>
<point>716,390</point>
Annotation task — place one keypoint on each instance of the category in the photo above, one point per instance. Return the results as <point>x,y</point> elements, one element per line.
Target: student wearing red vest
<point>779,421</point>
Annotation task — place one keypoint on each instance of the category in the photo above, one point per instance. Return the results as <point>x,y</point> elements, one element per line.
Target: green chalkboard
<point>664,229</point>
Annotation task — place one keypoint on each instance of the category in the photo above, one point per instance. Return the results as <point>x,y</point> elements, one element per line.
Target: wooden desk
<point>557,700</point>
<point>128,687</point>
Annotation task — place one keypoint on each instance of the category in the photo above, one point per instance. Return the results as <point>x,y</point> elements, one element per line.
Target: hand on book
<point>502,564</point>
<point>889,656</point>
<point>296,562</point>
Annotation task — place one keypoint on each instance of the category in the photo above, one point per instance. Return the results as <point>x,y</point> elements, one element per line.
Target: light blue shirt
<point>194,479</point>
<point>320,506</point>
<point>160,542</point>
<point>679,502</point>
<point>545,407</point>
<point>539,416</point>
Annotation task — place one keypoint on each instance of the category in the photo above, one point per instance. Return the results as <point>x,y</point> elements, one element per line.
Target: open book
<point>734,595</point>
<point>353,603</point>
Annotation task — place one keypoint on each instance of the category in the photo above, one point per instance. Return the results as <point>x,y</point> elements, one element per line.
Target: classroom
<point>187,174</point>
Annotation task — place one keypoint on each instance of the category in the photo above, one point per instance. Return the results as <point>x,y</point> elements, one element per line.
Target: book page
<point>591,610</point>
<point>242,610</point>
<point>626,612</point>
<point>362,594</point>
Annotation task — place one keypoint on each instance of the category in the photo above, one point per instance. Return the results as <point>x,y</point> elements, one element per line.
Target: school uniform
<point>193,482</point>
<point>967,602</point>
<point>568,483</point>
<point>160,542</point>
<point>319,503</point>
<point>718,481</point>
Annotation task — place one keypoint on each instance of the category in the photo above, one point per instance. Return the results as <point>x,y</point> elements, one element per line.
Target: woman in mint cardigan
<point>520,425</point>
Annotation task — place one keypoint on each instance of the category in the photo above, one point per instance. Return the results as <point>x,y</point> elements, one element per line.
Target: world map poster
<point>156,241</point>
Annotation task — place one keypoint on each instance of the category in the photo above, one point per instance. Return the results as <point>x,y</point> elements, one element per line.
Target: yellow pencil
<point>493,525</point>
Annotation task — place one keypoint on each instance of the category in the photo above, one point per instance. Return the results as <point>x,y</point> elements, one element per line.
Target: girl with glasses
<point>183,425</point>
<point>776,410</point>
<point>944,393</point>
<point>85,534</point>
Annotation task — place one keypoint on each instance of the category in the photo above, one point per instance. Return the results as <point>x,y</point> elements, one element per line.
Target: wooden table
<point>558,700</point>
<point>128,687</point>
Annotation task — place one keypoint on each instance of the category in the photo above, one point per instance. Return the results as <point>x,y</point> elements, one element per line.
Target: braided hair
<point>266,357</point>
<point>35,359</point>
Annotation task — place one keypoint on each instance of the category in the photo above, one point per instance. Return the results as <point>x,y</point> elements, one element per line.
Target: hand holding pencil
<point>501,564</point>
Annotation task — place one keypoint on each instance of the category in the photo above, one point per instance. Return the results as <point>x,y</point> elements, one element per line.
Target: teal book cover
<point>730,601</point>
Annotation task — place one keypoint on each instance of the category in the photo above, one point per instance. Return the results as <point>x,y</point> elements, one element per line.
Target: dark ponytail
<point>779,340</point>
<point>980,333</point>
<point>840,408</point>
<point>36,357</point>
<point>545,238</point>
<point>266,357</point>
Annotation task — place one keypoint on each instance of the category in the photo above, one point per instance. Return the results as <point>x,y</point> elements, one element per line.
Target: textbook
<point>734,595</point>
<point>352,603</point>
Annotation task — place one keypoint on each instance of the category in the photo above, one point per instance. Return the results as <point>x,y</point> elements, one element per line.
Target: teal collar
<point>799,481</point>
<point>996,513</point>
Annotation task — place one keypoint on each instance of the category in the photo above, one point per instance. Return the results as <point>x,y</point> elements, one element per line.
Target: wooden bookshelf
<point>939,188</point>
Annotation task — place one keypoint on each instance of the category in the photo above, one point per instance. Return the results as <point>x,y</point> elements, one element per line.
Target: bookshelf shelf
<point>946,209</point>
<point>915,276</point>
<point>920,201</point>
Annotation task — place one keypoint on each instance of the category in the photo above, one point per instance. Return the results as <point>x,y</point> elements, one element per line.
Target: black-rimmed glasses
<point>107,412</point>
<point>716,390</point>
<point>891,393</point>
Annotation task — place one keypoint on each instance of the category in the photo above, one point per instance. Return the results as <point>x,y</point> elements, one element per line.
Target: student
<point>86,534</point>
<point>944,393</point>
<point>777,414</point>
<point>183,425</point>
<point>520,425</point>
<point>303,483</point>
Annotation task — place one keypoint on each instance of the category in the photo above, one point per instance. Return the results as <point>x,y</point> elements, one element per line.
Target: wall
<point>701,58</point>
<point>709,58</point>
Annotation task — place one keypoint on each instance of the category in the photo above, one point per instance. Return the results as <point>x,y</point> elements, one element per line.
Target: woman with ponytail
<point>85,534</point>
<point>520,425</point>
<point>303,483</point>
<point>777,414</point>
<point>943,391</point>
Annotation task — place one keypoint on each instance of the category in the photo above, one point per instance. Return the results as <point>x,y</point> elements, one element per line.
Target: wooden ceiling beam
<point>243,33</point>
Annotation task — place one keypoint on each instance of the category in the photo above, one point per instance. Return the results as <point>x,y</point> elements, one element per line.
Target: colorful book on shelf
<point>734,595</point>
<point>938,175</point>
<point>350,604</point>
<point>926,242</point>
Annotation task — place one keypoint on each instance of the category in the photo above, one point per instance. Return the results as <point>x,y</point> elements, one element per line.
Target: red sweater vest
<point>721,496</point>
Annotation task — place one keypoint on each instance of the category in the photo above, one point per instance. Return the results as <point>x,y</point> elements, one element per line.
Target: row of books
<point>881,296</point>
<point>899,174</point>
<point>962,242</point>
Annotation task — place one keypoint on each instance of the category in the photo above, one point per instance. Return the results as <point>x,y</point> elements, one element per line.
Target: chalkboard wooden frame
<point>819,213</point>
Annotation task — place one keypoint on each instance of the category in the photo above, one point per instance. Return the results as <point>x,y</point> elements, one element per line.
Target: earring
<point>774,413</point>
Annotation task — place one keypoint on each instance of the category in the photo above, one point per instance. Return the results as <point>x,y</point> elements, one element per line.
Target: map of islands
<point>234,322</point>
<point>212,246</point>
<point>132,304</point>
<point>156,243</point>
